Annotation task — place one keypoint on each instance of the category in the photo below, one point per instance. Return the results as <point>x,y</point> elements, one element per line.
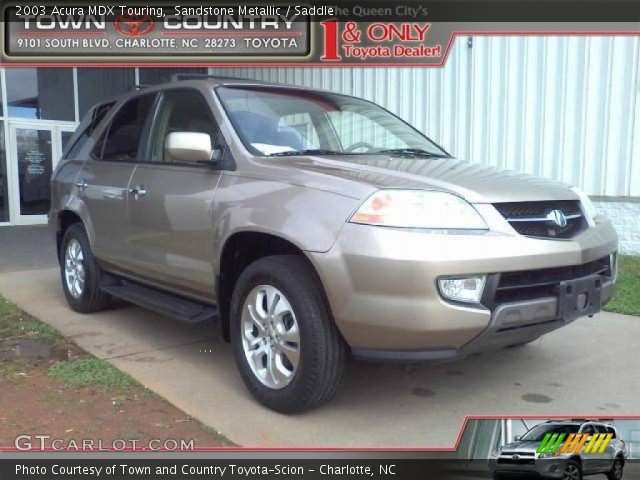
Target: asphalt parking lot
<point>580,370</point>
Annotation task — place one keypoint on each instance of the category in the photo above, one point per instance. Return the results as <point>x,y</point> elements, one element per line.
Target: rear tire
<point>81,275</point>
<point>287,347</point>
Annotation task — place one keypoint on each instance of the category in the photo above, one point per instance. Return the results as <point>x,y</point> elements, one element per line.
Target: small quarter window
<point>87,127</point>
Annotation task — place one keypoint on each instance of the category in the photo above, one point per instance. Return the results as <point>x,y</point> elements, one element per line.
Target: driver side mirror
<point>191,147</point>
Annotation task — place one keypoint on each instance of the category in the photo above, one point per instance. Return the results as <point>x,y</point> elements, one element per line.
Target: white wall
<point>625,216</point>
<point>561,107</point>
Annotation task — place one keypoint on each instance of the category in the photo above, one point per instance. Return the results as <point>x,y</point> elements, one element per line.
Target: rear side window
<point>87,127</point>
<point>122,139</point>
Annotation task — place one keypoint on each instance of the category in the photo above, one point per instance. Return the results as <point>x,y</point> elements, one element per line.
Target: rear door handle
<point>82,185</point>
<point>138,191</point>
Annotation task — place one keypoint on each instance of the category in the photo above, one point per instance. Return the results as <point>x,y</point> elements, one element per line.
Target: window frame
<point>112,116</point>
<point>226,162</point>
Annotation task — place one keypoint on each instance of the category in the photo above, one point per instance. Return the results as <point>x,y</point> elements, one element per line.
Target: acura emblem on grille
<point>557,217</point>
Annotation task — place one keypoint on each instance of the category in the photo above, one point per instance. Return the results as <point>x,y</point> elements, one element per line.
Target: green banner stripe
<point>545,440</point>
<point>552,440</point>
<point>558,442</point>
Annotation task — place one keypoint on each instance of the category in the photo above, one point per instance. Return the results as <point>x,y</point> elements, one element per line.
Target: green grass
<point>627,297</point>
<point>92,372</point>
<point>15,323</point>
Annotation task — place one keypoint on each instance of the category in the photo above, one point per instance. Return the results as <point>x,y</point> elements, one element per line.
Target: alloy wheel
<point>74,268</point>
<point>270,336</point>
<point>571,472</point>
<point>617,469</point>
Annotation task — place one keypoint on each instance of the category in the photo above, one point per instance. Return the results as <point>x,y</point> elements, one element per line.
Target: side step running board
<point>180,308</point>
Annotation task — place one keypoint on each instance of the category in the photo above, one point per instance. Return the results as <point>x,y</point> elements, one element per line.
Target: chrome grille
<point>547,219</point>
<point>517,458</point>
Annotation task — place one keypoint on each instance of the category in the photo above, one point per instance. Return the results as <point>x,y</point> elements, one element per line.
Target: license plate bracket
<point>580,297</point>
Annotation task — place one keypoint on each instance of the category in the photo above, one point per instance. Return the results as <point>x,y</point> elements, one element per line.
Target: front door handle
<point>138,191</point>
<point>82,185</point>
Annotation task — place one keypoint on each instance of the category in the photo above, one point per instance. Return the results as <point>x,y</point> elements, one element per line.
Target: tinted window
<point>589,429</point>
<point>45,93</point>
<point>122,139</point>
<point>182,111</point>
<point>4,190</point>
<point>612,431</point>
<point>88,126</point>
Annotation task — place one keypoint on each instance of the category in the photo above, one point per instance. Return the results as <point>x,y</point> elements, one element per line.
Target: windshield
<point>537,433</point>
<point>288,121</point>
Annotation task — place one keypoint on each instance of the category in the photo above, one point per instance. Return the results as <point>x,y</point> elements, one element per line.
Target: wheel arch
<point>238,252</point>
<point>65,219</point>
<point>577,459</point>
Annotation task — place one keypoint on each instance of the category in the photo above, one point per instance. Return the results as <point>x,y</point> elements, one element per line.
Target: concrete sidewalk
<point>583,369</point>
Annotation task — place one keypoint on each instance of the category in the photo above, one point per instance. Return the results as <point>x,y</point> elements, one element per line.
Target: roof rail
<point>140,87</point>
<point>195,76</point>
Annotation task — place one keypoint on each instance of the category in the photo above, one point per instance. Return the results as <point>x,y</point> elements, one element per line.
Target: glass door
<point>35,151</point>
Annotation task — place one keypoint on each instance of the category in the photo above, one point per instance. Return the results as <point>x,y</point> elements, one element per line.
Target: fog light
<point>462,289</point>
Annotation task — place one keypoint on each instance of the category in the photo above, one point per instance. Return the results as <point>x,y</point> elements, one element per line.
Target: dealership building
<point>566,108</point>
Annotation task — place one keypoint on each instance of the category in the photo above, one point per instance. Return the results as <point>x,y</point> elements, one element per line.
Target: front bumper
<point>382,287</point>
<point>552,467</point>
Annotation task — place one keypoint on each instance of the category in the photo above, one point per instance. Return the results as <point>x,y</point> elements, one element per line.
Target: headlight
<point>418,209</point>
<point>496,452</point>
<point>466,289</point>
<point>546,455</point>
<point>587,205</point>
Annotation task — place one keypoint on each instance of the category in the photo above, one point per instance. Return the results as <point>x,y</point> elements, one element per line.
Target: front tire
<point>572,471</point>
<point>617,470</point>
<point>287,347</point>
<point>81,274</point>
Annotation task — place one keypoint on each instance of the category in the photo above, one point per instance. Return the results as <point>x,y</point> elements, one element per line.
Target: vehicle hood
<point>475,182</point>
<point>521,447</point>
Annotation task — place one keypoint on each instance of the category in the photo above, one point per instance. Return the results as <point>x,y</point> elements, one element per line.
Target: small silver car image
<point>566,450</point>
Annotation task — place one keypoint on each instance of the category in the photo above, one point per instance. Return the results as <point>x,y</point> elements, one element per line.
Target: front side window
<point>286,121</point>
<point>182,111</point>
<point>122,140</point>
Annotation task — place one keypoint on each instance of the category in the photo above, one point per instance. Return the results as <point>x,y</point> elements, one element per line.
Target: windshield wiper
<point>414,152</point>
<point>311,151</point>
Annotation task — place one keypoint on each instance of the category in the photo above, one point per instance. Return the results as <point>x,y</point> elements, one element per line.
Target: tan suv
<point>314,226</point>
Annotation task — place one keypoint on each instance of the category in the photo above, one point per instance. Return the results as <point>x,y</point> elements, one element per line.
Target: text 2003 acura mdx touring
<point>317,226</point>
